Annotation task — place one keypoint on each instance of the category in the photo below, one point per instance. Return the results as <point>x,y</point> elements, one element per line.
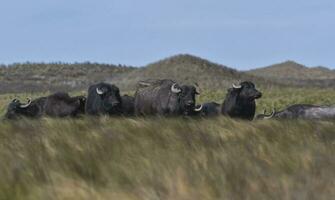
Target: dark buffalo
<point>31,109</point>
<point>164,97</point>
<point>240,101</point>
<point>62,105</point>
<point>210,109</point>
<point>302,111</point>
<point>128,105</point>
<point>105,99</point>
<point>56,105</point>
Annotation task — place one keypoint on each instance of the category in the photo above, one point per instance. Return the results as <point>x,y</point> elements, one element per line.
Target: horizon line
<point>9,64</point>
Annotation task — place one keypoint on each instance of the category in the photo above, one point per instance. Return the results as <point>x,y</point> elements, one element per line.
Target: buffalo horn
<point>198,109</point>
<point>271,115</point>
<point>143,83</point>
<point>27,104</point>
<point>99,92</point>
<point>237,86</point>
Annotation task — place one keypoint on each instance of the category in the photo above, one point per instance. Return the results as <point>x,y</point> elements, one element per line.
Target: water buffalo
<point>31,109</point>
<point>239,102</point>
<point>103,99</point>
<point>164,97</point>
<point>56,105</point>
<point>301,111</point>
<point>61,104</point>
<point>128,105</point>
<point>210,109</point>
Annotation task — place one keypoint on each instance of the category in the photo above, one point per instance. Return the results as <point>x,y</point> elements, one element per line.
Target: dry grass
<point>217,158</point>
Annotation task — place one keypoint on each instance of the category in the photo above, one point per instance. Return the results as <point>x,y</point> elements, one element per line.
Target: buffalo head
<point>16,108</point>
<point>247,91</point>
<point>240,101</point>
<point>186,95</point>
<point>109,95</point>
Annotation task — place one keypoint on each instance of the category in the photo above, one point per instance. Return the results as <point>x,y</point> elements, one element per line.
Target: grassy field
<point>171,158</point>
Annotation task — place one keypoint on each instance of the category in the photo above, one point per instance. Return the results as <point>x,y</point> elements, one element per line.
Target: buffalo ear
<point>175,88</point>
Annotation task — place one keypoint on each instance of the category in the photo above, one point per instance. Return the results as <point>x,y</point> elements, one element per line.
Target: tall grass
<point>218,158</point>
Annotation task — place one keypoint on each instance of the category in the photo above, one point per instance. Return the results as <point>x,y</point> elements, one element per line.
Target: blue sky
<point>241,34</point>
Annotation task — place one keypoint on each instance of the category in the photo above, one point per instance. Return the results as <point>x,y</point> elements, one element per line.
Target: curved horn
<point>198,109</point>
<point>99,92</point>
<point>237,86</point>
<point>264,111</point>
<point>143,83</point>
<point>174,89</point>
<point>197,88</point>
<point>271,115</point>
<point>27,104</point>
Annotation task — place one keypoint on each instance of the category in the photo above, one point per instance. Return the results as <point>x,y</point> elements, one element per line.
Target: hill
<point>293,73</point>
<point>188,69</point>
<point>40,77</point>
<point>37,77</point>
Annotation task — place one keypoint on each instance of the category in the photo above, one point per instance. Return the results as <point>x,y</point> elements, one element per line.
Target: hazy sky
<point>238,33</point>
